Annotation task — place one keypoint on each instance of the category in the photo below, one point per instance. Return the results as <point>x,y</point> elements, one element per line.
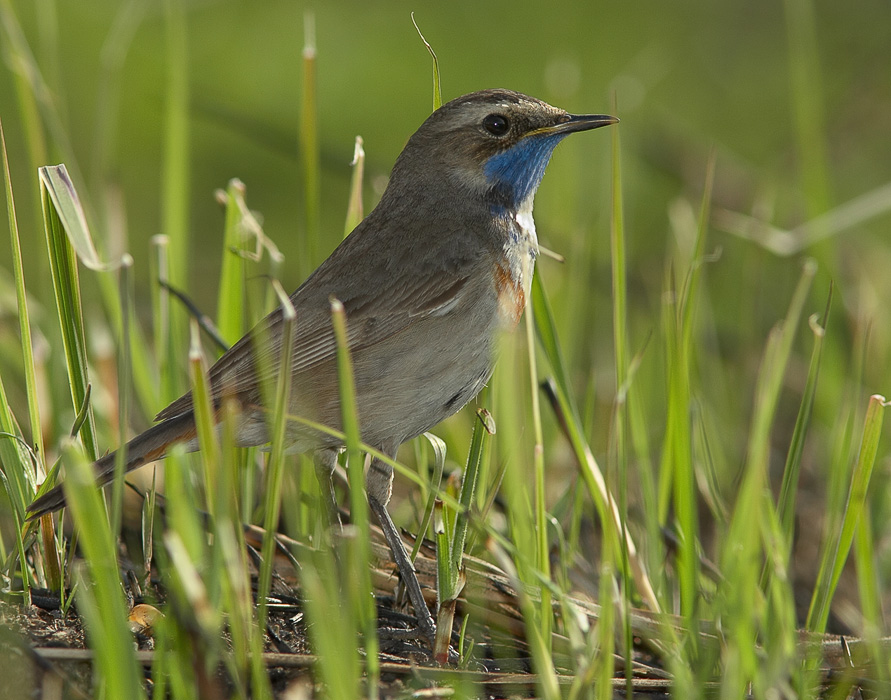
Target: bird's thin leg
<point>379,482</point>
<point>325,462</point>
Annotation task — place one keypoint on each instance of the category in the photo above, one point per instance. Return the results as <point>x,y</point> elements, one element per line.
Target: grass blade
<point>15,469</point>
<point>450,545</point>
<point>439,456</point>
<point>18,472</point>
<point>868,585</point>
<point>161,313</point>
<point>542,558</point>
<point>484,426</point>
<point>309,148</point>
<point>22,306</point>
<point>175,187</point>
<point>230,302</point>
<point>836,553</point>
<point>66,287</point>
<point>355,212</point>
<point>788,490</point>
<point>361,590</point>
<point>100,598</point>
<point>204,411</point>
<point>275,467</point>
<point>680,431</point>
<point>175,181</point>
<point>590,471</point>
<point>57,185</point>
<point>623,386</point>
<point>437,88</point>
<point>124,374</point>
<point>331,629</point>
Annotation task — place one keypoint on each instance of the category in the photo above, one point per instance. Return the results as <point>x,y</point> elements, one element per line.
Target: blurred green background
<point>688,77</point>
<point>793,98</point>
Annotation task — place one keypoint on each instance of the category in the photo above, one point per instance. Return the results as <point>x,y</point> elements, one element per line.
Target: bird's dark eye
<point>496,124</point>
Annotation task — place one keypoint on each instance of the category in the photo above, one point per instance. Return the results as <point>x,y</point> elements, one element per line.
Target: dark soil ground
<point>44,653</point>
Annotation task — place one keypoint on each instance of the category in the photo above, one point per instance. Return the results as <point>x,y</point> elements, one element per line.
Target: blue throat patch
<point>515,174</point>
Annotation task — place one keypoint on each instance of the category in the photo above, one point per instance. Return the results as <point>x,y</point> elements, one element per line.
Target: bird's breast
<point>513,272</point>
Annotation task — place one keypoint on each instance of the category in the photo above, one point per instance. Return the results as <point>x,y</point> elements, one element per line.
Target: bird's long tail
<point>146,447</point>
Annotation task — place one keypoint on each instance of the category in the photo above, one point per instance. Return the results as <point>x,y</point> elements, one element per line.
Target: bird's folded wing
<point>371,319</point>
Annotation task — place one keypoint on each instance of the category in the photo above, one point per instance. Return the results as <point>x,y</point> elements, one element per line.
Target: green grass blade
<point>789,488</point>
<point>331,629</point>
<point>439,455</point>
<point>58,186</point>
<point>361,590</point>
<point>66,287</point>
<point>231,297</point>
<point>619,274</point>
<point>606,627</point>
<point>355,212</point>
<point>100,598</point>
<point>358,505</point>
<point>124,374</point>
<point>175,187</point>
<point>200,577</point>
<point>277,432</point>
<point>484,426</point>
<point>539,495</point>
<point>779,629</point>
<point>309,148</point>
<point>590,471</point>
<point>230,561</point>
<point>678,478</point>
<point>836,553</point>
<point>175,192</point>
<point>18,472</point>
<point>22,305</point>
<point>869,589</point>
<point>162,312</point>
<point>437,88</point>
<point>679,420</point>
<point>618,263</point>
<point>451,540</point>
<point>449,583</point>
<point>204,411</point>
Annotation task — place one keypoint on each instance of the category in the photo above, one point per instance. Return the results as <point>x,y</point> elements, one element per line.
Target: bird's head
<point>493,143</point>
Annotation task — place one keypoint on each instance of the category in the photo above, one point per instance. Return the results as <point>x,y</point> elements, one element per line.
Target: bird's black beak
<point>577,122</point>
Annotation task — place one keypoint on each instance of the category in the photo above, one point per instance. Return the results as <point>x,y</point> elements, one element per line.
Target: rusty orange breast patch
<point>511,296</point>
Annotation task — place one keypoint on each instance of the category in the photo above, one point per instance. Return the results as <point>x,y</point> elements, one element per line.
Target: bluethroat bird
<point>428,280</point>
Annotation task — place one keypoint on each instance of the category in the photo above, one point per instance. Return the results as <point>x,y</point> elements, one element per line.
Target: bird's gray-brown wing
<point>372,317</point>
